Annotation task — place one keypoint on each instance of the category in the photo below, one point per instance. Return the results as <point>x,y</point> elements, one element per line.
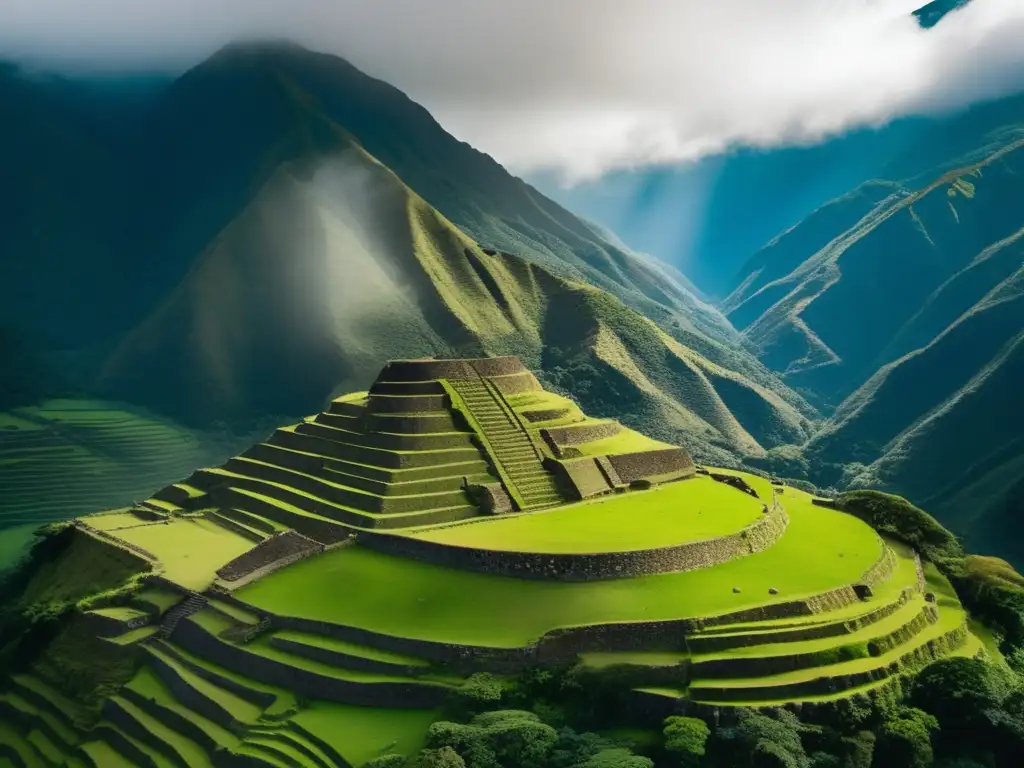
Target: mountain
<point>336,263</point>
<point>283,223</point>
<point>897,308</point>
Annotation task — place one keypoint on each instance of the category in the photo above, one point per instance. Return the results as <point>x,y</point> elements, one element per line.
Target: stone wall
<point>398,695</point>
<point>637,466</point>
<point>583,478</point>
<point>464,368</point>
<point>322,531</point>
<point>280,550</point>
<point>407,404</point>
<point>346,660</point>
<point>712,643</point>
<point>516,383</point>
<point>547,414</point>
<point>736,482</point>
<point>577,435</point>
<point>588,567</point>
<point>406,388</point>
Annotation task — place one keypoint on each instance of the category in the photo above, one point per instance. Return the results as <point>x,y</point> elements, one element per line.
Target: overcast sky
<point>584,86</point>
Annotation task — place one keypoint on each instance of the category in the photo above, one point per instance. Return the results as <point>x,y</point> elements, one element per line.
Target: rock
<point>863,591</point>
<point>772,591</point>
<point>929,597</point>
<point>737,590</point>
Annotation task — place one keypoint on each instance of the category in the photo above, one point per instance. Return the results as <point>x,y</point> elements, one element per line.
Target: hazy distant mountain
<point>901,305</point>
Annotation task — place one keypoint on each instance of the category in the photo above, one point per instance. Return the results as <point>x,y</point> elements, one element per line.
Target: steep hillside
<point>253,232</point>
<point>899,304</point>
<point>883,271</point>
<point>337,264</point>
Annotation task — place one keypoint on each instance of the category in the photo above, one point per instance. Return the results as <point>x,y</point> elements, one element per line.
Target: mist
<point>580,87</point>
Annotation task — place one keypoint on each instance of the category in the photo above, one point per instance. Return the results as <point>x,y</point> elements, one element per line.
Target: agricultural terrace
<point>821,549</point>
<point>190,550</point>
<point>69,457</point>
<point>668,515</point>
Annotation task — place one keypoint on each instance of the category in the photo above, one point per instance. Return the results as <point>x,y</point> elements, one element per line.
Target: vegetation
<point>668,515</point>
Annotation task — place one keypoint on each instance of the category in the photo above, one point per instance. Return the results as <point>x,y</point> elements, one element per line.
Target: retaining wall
<point>454,368</point>
<point>577,435</point>
<point>320,530</point>
<point>347,660</point>
<point>638,466</point>
<point>280,550</point>
<point>407,403</point>
<point>584,478</point>
<point>588,567</point>
<point>515,383</point>
<point>406,388</point>
<point>548,414</point>
<point>397,695</point>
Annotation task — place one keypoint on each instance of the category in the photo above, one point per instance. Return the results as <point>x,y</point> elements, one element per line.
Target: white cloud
<point>583,86</point>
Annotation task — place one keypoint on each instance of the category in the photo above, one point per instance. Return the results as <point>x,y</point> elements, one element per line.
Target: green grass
<point>87,567</point>
<point>626,441</point>
<point>15,543</point>
<point>190,551</point>
<point>362,733</point>
<point>664,516</point>
<point>408,598</point>
<point>240,709</point>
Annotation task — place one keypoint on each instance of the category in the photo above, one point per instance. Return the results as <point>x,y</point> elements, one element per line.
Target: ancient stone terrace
<point>432,441</point>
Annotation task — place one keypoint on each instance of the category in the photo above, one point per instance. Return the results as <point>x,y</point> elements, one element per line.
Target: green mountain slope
<point>336,264</point>
<point>884,270</point>
<point>900,304</point>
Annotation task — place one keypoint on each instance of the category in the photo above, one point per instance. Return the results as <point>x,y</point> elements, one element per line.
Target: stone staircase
<point>511,447</point>
<point>194,602</point>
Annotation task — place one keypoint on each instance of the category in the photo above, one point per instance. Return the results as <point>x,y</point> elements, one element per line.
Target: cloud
<point>585,86</point>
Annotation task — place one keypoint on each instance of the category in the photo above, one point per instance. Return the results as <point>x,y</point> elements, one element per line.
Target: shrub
<point>617,757</point>
<point>387,761</point>
<point>686,738</point>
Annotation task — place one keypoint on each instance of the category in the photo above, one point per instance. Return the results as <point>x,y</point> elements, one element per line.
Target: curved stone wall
<point>588,567</point>
<point>548,414</point>
<point>396,695</point>
<point>464,368</point>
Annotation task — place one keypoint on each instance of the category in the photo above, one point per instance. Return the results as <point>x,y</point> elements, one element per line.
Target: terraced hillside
<point>63,458</point>
<point>319,600</point>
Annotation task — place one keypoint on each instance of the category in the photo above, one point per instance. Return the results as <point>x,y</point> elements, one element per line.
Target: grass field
<point>362,733</point>
<point>409,598</point>
<point>189,550</point>
<point>66,458</point>
<point>626,441</point>
<point>15,543</point>
<point>695,509</point>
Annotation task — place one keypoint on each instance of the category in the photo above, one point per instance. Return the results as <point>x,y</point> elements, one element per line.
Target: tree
<point>517,738</point>
<point>958,691</point>
<point>477,693</point>
<point>387,761</point>
<point>906,739</point>
<point>617,757</point>
<point>760,741</point>
<point>686,738</point>
<point>445,757</point>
